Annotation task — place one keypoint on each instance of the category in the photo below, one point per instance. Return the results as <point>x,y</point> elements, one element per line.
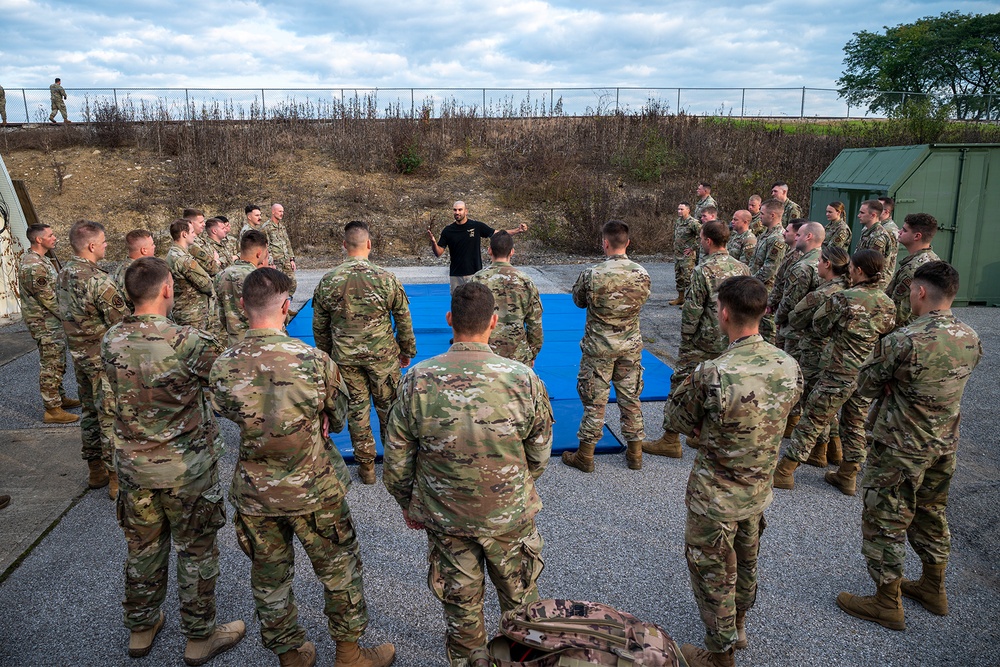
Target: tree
<point>953,58</point>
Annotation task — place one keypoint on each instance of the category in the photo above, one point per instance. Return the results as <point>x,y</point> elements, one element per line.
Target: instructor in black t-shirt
<point>462,236</point>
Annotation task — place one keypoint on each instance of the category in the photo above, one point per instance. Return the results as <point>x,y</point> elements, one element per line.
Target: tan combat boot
<point>349,654</point>
<point>366,471</point>
<point>303,656</point>
<point>140,642</point>
<point>834,451</point>
<point>59,416</point>
<point>113,485</point>
<point>845,478</point>
<point>633,456</point>
<point>582,459</point>
<point>699,657</point>
<point>818,455</point>
<point>200,651</point>
<point>929,590</point>
<point>98,477</point>
<point>884,608</point>
<point>679,301</point>
<point>790,425</point>
<point>668,445</point>
<point>741,629</point>
<point>68,402</point>
<point>784,476</point>
<point>692,441</point>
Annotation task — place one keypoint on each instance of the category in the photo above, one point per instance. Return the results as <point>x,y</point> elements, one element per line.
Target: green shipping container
<point>959,184</point>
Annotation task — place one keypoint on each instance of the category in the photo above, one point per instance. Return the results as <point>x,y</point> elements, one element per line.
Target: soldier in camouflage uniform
<point>90,304</point>
<point>279,245</point>
<point>37,281</point>
<point>57,95</point>
<point>167,446</point>
<point>138,243</point>
<point>193,291</point>
<point>918,230</point>
<point>756,222</point>
<point>701,338</point>
<point>889,225</point>
<point>922,369</point>
<point>3,105</point>
<point>219,242</point>
<point>790,210</point>
<point>705,199</point>
<point>875,236</point>
<point>852,321</point>
<point>735,405</point>
<point>228,285</point>
<point>768,255</point>
<point>613,293</point>
<point>286,397</point>
<point>468,437</point>
<point>518,334</point>
<point>686,230</point>
<point>253,219</point>
<point>838,232</point>
<point>354,308</point>
<point>200,248</point>
<point>742,242</point>
<point>781,276</point>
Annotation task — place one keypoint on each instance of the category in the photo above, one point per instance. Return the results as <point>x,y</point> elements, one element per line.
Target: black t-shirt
<point>463,242</point>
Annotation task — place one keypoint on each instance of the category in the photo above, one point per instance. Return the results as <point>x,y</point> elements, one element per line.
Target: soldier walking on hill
<point>57,95</point>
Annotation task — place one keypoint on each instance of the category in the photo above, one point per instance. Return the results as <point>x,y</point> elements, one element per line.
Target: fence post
<point>484,103</point>
<point>187,103</point>
<point>552,101</point>
<point>617,91</point>
<point>263,114</point>
<point>743,103</point>
<point>678,100</point>
<point>114,91</point>
<point>802,109</point>
<point>24,95</point>
<point>413,105</point>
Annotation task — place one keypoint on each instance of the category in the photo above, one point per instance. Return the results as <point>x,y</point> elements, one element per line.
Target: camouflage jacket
<point>354,307</point>
<point>810,343</point>
<point>203,251</point>
<point>890,266</point>
<point>740,401</point>
<point>57,93</point>
<point>278,244</point>
<point>228,292</point>
<point>278,389</point>
<point>877,238</point>
<point>119,277</point>
<point>838,233</point>
<point>224,248</point>
<point>467,437</point>
<point>37,280</point>
<point>613,293</point>
<point>852,321</point>
<point>757,224</point>
<point>518,335</point>
<point>792,211</point>
<point>700,312</point>
<point>741,246</point>
<point>686,236</point>
<point>89,305</point>
<point>767,256</point>
<point>803,277</point>
<point>899,287</point>
<point>925,366</point>
<point>192,286</point>
<point>792,255</point>
<point>165,433</point>
<point>702,205</point>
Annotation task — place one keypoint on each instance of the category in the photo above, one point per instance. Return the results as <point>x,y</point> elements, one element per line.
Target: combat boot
<point>790,425</point>
<point>4,500</point>
<point>699,657</point>
<point>741,629</point>
<point>668,445</point>
<point>884,608</point>
<point>692,441</point>
<point>366,471</point>
<point>200,651</point>
<point>679,301</point>
<point>349,654</point>
<point>113,485</point>
<point>929,590</point>
<point>834,451</point>
<point>140,642</point>
<point>818,455</point>
<point>845,478</point>
<point>633,456</point>
<point>784,476</point>
<point>68,402</point>
<point>303,656</point>
<point>582,459</point>
<point>59,416</point>
<point>99,477</point>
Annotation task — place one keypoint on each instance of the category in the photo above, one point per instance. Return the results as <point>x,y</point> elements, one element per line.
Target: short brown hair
<point>923,223</point>
<point>252,239</point>
<point>356,234</point>
<point>501,244</point>
<point>35,231</point>
<point>870,261</point>
<point>940,277</point>
<point>717,232</point>
<point>191,213</point>
<point>615,232</point>
<point>134,239</point>
<point>144,277</point>
<point>178,227</point>
<point>262,288</point>
<point>83,232</point>
<point>873,205</point>
<point>744,297</point>
<point>472,306</point>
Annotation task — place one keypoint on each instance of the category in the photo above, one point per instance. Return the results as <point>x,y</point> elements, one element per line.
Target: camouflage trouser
<point>58,105</point>
<point>905,496</point>
<point>768,329</point>
<point>3,108</point>
<point>455,576</point>
<point>688,359</point>
<point>594,386</point>
<point>722,560</point>
<point>811,376</point>
<point>683,267</point>
<point>853,415</point>
<point>190,515</point>
<point>329,540</point>
<point>376,383</point>
<point>819,409</point>
<point>96,410</point>
<point>52,358</point>
<point>286,268</point>
<point>790,344</point>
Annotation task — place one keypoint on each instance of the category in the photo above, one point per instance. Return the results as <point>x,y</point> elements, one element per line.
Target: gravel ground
<point>614,536</point>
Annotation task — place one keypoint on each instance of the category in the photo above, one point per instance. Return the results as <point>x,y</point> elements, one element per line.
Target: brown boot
<point>99,477</point>
<point>929,590</point>
<point>200,651</point>
<point>582,459</point>
<point>818,455</point>
<point>741,629</point>
<point>679,301</point>
<point>4,500</point>
<point>834,451</point>
<point>668,445</point>
<point>784,476</point>
<point>68,402</point>
<point>303,656</point>
<point>349,654</point>
<point>692,441</point>
<point>633,456</point>
<point>793,420</point>
<point>113,485</point>
<point>699,657</point>
<point>59,416</point>
<point>366,471</point>
<point>845,478</point>
<point>140,642</point>
<point>884,608</point>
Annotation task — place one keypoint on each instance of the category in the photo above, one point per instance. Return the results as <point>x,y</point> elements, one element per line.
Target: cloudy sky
<point>439,43</point>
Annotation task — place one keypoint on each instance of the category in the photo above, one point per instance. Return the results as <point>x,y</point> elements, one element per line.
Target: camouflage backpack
<point>569,633</point>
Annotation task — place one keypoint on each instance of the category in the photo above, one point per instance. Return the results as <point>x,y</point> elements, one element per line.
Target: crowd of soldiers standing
<point>775,342</point>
